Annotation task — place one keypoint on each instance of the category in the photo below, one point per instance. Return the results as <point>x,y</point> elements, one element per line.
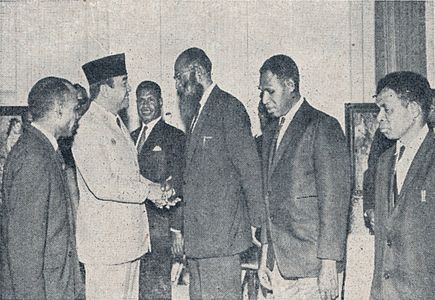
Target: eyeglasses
<point>178,75</point>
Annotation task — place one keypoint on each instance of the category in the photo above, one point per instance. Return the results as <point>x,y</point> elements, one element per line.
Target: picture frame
<point>360,126</point>
<point>10,131</point>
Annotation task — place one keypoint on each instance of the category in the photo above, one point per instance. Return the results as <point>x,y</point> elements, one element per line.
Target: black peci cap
<point>105,68</point>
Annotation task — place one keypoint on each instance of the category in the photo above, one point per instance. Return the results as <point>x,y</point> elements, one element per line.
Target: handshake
<point>163,195</point>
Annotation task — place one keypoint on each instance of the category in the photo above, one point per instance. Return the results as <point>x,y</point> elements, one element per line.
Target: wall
<point>332,42</point>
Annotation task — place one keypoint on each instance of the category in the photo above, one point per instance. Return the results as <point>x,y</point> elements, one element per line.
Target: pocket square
<point>157,148</point>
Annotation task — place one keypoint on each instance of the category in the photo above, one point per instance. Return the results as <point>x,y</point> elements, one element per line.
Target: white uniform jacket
<point>112,223</point>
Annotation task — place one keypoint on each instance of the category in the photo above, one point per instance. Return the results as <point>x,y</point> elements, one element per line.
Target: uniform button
<point>387,275</point>
<point>389,243</point>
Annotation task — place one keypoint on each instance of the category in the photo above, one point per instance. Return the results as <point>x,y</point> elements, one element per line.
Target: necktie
<point>194,119</point>
<point>395,188</point>
<point>142,139</point>
<point>118,122</point>
<point>275,141</point>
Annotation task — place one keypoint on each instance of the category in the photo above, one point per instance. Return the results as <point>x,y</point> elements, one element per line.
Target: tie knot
<point>281,121</point>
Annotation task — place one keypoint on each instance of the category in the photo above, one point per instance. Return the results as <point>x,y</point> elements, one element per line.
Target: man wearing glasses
<point>222,180</point>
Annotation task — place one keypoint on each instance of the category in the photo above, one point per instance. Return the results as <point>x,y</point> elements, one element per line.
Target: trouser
<point>112,281</point>
<point>298,289</point>
<point>155,273</point>
<point>215,278</point>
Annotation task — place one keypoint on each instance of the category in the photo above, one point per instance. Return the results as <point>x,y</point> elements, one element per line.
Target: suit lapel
<point>153,136</point>
<point>419,167</point>
<point>294,132</point>
<point>194,139</point>
<point>60,164</point>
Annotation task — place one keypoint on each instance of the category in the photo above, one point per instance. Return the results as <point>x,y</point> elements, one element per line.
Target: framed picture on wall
<point>11,127</point>
<point>361,125</point>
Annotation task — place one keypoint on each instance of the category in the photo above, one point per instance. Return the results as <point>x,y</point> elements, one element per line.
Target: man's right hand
<point>369,217</point>
<point>155,193</point>
<point>264,274</point>
<point>177,243</point>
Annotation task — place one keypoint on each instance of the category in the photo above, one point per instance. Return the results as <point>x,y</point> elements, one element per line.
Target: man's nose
<point>381,115</point>
<point>265,97</point>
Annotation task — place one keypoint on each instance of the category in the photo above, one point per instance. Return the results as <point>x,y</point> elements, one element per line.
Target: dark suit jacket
<point>159,165</point>
<point>38,258</point>
<point>223,190</point>
<point>307,193</point>
<point>405,237</point>
<point>379,145</point>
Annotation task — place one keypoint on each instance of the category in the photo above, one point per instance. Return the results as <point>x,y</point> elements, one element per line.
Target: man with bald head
<point>38,255</point>
<point>222,180</point>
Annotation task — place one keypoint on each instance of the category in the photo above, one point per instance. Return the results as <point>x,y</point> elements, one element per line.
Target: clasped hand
<point>162,194</point>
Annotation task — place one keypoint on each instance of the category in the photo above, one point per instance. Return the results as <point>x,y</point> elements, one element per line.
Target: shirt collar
<point>292,111</point>
<point>151,125</point>
<point>206,94</point>
<point>101,110</point>
<point>414,144</point>
<point>48,135</point>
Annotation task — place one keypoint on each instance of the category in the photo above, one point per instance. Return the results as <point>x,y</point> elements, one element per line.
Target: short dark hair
<point>44,94</point>
<point>284,67</point>
<point>193,56</point>
<point>410,87</point>
<point>94,88</point>
<point>149,85</point>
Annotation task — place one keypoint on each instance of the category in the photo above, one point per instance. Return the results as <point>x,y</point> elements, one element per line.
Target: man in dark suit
<point>405,191</point>
<point>222,181</point>
<point>379,145</point>
<point>306,178</point>
<point>39,258</point>
<point>160,149</point>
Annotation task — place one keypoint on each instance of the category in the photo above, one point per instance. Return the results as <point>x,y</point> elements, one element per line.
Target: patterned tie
<point>395,188</point>
<point>273,145</point>
<point>142,139</point>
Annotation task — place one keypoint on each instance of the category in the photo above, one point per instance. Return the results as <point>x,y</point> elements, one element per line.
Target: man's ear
<point>415,109</point>
<point>104,90</point>
<point>200,73</point>
<point>290,84</point>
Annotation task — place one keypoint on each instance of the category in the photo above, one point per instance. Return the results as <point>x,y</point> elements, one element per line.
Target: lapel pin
<point>423,195</point>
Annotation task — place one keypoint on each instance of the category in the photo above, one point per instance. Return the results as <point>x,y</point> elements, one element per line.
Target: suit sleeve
<point>332,165</point>
<point>95,165</point>
<point>176,162</point>
<point>244,156</point>
<point>28,198</point>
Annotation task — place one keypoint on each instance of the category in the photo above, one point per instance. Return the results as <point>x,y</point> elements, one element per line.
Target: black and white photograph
<point>217,149</point>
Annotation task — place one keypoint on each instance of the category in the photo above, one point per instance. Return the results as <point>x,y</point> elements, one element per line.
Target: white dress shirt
<point>149,127</point>
<point>48,135</point>
<point>202,102</point>
<point>402,165</point>
<point>288,117</point>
